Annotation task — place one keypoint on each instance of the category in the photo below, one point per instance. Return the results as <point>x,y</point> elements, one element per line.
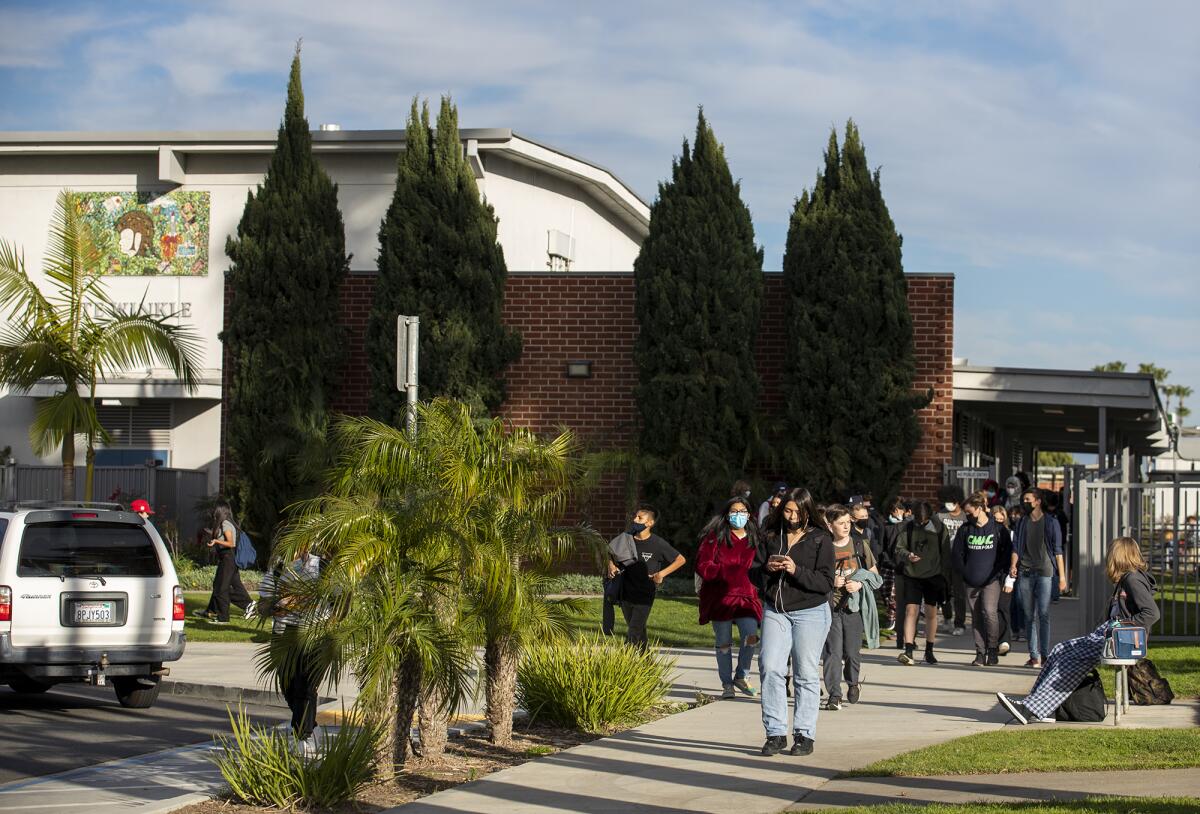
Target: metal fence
<point>1161,517</point>
<point>174,493</point>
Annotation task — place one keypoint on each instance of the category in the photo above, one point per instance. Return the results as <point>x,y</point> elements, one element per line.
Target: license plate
<point>93,613</point>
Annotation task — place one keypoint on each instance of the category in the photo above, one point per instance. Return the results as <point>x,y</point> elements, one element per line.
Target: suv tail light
<point>178,611</point>
<point>5,603</point>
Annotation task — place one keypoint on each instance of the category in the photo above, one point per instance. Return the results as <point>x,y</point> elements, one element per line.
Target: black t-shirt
<point>654,554</point>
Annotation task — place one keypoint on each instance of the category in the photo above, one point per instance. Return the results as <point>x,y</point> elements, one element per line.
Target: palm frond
<point>124,341</point>
<point>55,416</point>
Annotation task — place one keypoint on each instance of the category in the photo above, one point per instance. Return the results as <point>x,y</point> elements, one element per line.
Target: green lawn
<point>239,628</point>
<point>672,622</point>
<point>1046,750</point>
<point>1094,805</point>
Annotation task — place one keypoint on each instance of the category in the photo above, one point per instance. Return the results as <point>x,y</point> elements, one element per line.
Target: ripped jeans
<point>747,626</point>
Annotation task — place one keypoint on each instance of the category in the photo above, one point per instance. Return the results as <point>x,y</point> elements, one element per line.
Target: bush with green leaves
<point>592,585</point>
<point>194,577</point>
<point>262,767</point>
<point>591,683</point>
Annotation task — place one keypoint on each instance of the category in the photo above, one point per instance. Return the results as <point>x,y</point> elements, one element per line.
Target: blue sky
<point>1046,153</point>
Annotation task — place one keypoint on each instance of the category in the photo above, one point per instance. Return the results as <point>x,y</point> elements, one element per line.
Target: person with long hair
<point>1069,662</point>
<point>227,584</point>
<point>727,596</point>
<point>793,567</point>
<point>1010,608</point>
<point>980,555</point>
<point>854,613</point>
<point>923,549</point>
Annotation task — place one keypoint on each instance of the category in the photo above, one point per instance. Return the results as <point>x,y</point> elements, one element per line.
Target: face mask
<point>991,493</point>
<point>894,519</point>
<point>746,494</point>
<point>1028,508</point>
<point>950,507</point>
<point>1012,490</point>
<point>792,525</point>
<point>636,528</point>
<point>862,524</point>
<point>738,519</point>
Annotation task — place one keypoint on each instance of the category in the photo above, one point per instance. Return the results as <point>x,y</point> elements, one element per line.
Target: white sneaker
<point>252,610</point>
<point>1003,649</point>
<point>958,631</point>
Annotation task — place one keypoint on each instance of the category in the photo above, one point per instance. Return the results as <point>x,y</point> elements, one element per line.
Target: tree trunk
<point>432,724</point>
<point>68,461</point>
<point>500,656</point>
<point>90,471</point>
<point>396,712</point>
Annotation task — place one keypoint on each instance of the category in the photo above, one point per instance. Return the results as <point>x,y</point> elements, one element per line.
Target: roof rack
<point>65,504</point>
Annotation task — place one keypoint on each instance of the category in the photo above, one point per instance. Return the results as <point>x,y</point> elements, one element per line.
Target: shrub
<point>262,768</point>
<point>591,585</point>
<point>193,577</point>
<point>591,683</point>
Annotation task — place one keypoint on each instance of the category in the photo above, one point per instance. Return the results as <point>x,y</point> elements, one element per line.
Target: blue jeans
<point>1035,603</point>
<point>800,634</point>
<point>747,626</point>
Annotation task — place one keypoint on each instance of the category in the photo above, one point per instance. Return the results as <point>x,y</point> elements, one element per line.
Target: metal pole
<point>1102,441</point>
<point>413,327</point>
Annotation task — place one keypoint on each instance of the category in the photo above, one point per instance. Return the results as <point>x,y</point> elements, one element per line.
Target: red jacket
<point>727,592</point>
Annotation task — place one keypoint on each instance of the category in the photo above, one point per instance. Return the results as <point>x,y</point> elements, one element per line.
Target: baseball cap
<point>140,506</point>
<point>779,486</point>
<point>856,500</point>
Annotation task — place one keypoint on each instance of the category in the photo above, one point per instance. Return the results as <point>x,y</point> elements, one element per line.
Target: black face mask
<point>792,525</point>
<point>862,524</point>
<point>1028,508</point>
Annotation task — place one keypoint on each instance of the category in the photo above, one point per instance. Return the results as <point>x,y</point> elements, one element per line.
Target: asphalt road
<point>73,726</point>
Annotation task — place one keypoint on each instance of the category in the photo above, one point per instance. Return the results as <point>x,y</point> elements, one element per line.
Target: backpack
<point>1147,687</point>
<point>1086,704</point>
<point>244,554</point>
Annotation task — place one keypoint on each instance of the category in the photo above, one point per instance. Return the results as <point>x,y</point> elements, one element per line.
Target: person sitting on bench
<point>1132,603</point>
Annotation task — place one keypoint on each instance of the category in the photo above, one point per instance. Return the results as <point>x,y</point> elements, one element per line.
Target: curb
<point>229,695</point>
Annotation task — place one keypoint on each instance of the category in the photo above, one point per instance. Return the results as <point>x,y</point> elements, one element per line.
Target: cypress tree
<point>439,260</point>
<point>699,284</point>
<point>850,411</point>
<point>282,332</point>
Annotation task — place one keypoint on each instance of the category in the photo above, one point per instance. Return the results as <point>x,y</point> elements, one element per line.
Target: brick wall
<point>589,317</point>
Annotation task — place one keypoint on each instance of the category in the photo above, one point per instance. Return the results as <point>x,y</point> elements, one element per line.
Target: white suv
<point>87,593</point>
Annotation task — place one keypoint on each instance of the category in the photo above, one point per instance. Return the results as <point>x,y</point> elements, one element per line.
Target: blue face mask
<point>739,519</point>
<point>636,528</point>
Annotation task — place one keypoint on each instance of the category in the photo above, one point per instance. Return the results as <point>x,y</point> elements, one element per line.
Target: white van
<point>88,593</point>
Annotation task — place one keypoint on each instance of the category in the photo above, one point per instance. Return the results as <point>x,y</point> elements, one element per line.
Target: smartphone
<point>778,557</point>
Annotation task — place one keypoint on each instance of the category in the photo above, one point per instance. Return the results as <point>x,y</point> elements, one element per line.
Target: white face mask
<point>1012,490</point>
<point>950,507</point>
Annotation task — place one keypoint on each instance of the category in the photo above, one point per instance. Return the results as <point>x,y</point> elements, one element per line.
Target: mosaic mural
<point>150,234</point>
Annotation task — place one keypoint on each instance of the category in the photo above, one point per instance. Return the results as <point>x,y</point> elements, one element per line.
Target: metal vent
<point>148,425</point>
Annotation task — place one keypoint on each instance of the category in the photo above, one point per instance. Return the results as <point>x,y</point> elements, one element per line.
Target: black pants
<point>608,614</point>
<point>1003,611</point>
<point>843,651</point>
<point>985,615</point>
<point>300,692</point>
<point>956,603</point>
<point>636,616</point>
<point>227,587</point>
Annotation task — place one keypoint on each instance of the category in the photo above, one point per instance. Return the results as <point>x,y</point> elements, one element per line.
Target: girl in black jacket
<point>1069,661</point>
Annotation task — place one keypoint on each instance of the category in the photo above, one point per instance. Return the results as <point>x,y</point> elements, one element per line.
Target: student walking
<point>887,566</point>
<point>297,670</point>
<point>1009,608</point>
<point>924,550</point>
<point>227,584</point>
<point>727,596</point>
<point>980,554</point>
<point>655,560</point>
<point>1065,667</point>
<point>852,605</point>
<point>793,567</point>
<point>952,516</point>
<point>1037,557</point>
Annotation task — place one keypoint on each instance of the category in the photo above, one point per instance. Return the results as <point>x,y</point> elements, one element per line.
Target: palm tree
<point>54,338</point>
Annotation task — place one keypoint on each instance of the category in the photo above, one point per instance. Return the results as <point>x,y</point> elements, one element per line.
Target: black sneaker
<point>992,659</point>
<point>1014,708</point>
<point>929,657</point>
<point>801,746</point>
<point>978,662</point>
<point>852,694</point>
<point>834,703</point>
<point>774,745</point>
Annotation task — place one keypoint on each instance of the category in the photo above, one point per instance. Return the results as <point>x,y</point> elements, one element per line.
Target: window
<point>63,549</point>
<point>144,426</point>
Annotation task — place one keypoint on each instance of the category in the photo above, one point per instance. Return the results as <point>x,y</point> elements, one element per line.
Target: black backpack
<point>1147,687</point>
<point>1086,704</point>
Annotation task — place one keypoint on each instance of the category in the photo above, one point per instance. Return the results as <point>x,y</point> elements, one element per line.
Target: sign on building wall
<point>150,234</point>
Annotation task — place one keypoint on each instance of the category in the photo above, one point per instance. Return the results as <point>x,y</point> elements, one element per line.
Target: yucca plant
<point>262,766</point>
<point>53,337</point>
<point>591,683</point>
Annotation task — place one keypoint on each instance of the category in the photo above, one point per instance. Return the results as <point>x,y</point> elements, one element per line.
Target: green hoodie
<point>931,543</point>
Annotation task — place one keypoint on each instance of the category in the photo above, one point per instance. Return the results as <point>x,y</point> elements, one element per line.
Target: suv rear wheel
<point>28,685</point>
<point>136,692</point>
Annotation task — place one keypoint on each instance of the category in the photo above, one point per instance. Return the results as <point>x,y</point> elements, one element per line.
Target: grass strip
<point>1054,749</point>
<point>1091,805</point>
